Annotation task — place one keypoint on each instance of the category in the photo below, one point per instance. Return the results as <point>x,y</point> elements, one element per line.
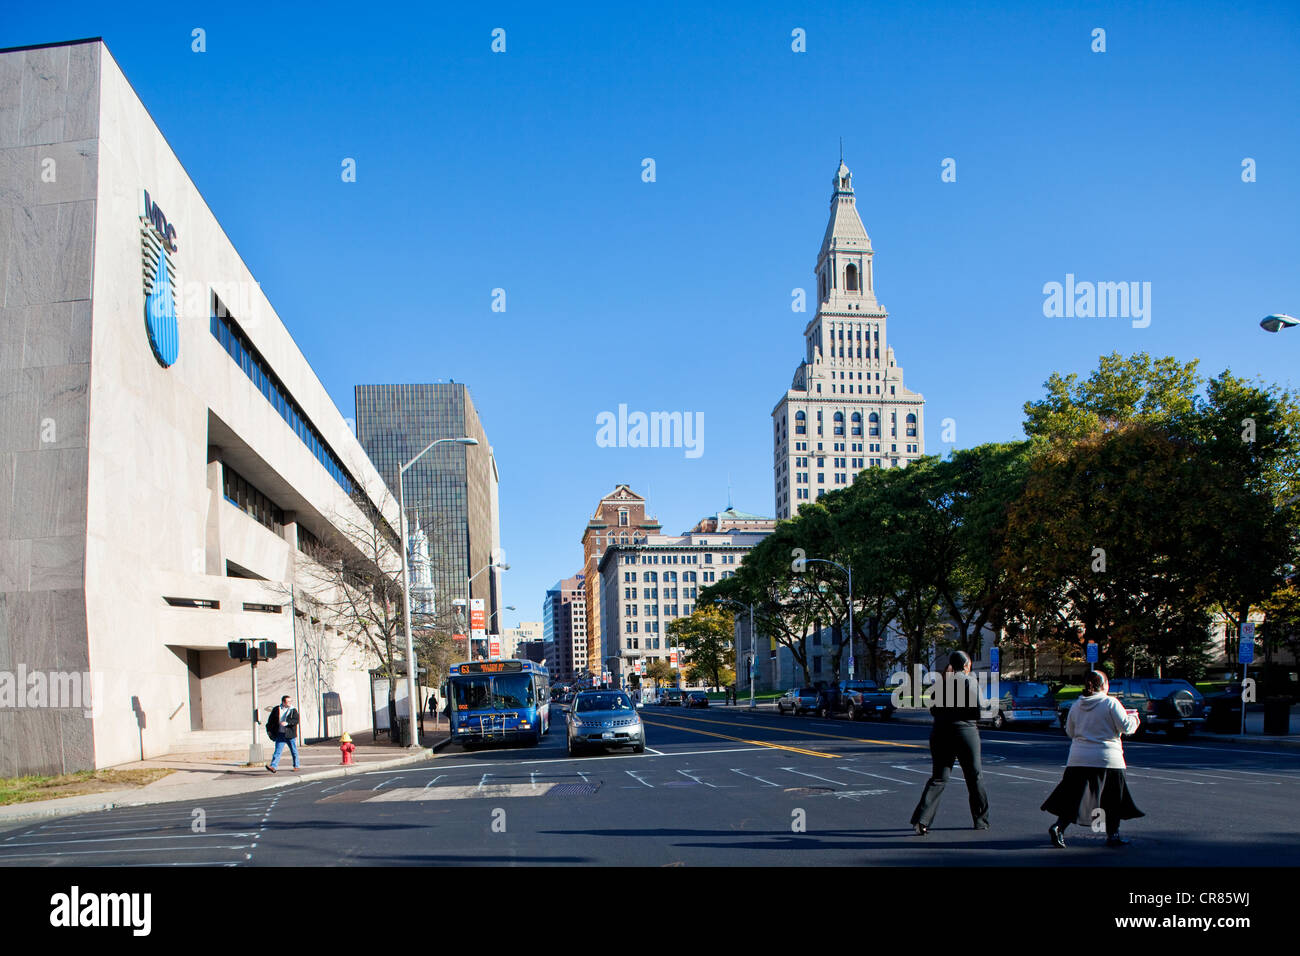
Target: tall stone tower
<point>847,408</point>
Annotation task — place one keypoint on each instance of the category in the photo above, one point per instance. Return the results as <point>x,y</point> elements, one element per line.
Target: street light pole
<point>469,613</point>
<point>406,586</point>
<point>753,653</point>
<point>849,572</point>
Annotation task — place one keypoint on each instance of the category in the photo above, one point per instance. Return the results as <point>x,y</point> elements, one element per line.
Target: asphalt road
<point>716,787</point>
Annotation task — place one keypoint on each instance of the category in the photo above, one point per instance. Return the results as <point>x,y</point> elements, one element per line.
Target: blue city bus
<point>498,700</point>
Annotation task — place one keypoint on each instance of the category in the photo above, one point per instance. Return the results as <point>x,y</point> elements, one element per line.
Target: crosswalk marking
<point>753,777</point>
<point>879,776</point>
<point>838,783</point>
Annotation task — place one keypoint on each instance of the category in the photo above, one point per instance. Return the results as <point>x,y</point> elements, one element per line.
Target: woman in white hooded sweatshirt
<point>1094,772</point>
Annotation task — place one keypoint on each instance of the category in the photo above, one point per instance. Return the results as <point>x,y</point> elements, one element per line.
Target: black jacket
<point>956,699</point>
<point>273,723</point>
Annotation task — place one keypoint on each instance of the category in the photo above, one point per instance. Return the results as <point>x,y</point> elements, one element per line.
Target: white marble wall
<point>49,119</point>
<point>114,509</point>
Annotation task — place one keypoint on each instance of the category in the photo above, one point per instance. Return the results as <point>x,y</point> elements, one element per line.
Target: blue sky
<point>522,171</point>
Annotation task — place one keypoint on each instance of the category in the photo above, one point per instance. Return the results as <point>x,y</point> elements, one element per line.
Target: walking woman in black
<point>1094,771</point>
<point>954,736</point>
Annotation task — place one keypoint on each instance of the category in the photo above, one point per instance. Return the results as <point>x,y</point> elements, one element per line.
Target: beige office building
<point>847,409</point>
<point>168,458</point>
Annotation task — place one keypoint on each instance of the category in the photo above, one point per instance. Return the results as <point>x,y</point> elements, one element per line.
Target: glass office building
<point>452,489</point>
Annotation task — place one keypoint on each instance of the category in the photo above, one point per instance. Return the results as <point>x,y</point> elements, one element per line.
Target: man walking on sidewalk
<point>283,724</point>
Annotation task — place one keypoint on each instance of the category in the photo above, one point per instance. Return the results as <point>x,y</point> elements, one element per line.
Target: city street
<point>716,787</point>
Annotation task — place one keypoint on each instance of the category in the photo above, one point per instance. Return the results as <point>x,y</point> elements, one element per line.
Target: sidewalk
<point>208,776</point>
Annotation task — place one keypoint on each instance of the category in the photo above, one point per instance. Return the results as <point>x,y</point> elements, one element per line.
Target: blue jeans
<point>279,749</point>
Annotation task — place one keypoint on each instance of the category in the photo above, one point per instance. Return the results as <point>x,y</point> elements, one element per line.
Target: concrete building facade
<point>168,458</point>
<point>847,408</point>
<point>646,585</point>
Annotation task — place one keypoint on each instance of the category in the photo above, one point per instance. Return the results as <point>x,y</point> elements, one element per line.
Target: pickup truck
<point>856,700</point>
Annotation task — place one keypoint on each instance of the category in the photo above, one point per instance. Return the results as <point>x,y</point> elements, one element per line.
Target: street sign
<point>850,662</point>
<point>1246,646</point>
<point>1092,652</point>
<point>672,658</point>
<point>494,647</point>
<point>995,659</point>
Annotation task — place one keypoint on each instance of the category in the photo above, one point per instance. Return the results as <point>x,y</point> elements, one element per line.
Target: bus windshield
<point>514,690</point>
<point>482,692</point>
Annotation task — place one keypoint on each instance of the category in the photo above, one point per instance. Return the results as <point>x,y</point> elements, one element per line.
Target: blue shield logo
<point>160,315</point>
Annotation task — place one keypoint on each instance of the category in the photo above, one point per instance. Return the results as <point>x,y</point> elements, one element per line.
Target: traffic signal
<point>266,650</point>
<point>238,650</point>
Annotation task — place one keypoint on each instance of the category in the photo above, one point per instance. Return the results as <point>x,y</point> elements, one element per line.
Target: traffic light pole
<point>255,747</point>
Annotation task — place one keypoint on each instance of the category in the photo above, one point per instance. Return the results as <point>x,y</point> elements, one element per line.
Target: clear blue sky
<point>522,170</point>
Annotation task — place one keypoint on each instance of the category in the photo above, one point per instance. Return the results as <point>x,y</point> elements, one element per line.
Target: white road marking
<point>657,753</point>
<point>696,779</point>
<point>999,773</point>
<point>483,781</point>
<point>752,777</point>
<point>124,849</point>
<point>1151,776</point>
<point>838,783</point>
<point>386,783</point>
<point>637,778</point>
<point>179,836</point>
<point>880,776</point>
<point>924,773</point>
<point>1256,773</point>
<point>434,780</point>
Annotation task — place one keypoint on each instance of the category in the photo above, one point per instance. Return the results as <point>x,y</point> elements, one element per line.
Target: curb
<point>270,783</point>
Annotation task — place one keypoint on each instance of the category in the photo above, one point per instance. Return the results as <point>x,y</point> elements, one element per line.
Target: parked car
<point>1023,704</point>
<point>856,700</point>
<point>671,697</point>
<point>1165,704</point>
<point>1223,710</point>
<point>604,718</point>
<point>696,698</point>
<point>800,701</point>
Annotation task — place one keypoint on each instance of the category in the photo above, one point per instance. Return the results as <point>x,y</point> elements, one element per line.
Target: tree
<point>660,671</point>
<point>784,610</point>
<point>352,580</point>
<point>1149,504</point>
<point>706,637</point>
<point>1133,389</point>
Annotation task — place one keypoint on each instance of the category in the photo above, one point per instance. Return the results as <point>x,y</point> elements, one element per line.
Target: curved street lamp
<point>469,640</point>
<point>1277,322</point>
<point>406,586</point>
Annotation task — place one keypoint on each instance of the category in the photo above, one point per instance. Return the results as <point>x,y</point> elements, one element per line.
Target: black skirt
<point>1083,789</point>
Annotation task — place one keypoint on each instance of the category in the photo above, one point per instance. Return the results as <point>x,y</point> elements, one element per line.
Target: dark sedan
<point>695,698</point>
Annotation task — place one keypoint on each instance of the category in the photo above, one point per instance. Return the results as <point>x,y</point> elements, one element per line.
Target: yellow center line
<point>792,730</point>
<point>757,743</point>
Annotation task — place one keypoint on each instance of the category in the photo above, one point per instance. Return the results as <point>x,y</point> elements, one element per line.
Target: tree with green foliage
<point>661,672</point>
<point>706,638</point>
<point>784,611</point>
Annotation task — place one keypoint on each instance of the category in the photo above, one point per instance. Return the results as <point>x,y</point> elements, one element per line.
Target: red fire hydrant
<point>347,747</point>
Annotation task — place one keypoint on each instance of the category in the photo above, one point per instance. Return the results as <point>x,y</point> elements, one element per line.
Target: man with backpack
<point>282,727</point>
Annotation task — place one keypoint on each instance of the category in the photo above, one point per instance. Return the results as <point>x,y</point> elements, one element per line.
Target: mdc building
<point>168,459</point>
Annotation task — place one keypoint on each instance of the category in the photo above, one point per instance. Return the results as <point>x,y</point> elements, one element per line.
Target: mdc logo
<point>159,244</point>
